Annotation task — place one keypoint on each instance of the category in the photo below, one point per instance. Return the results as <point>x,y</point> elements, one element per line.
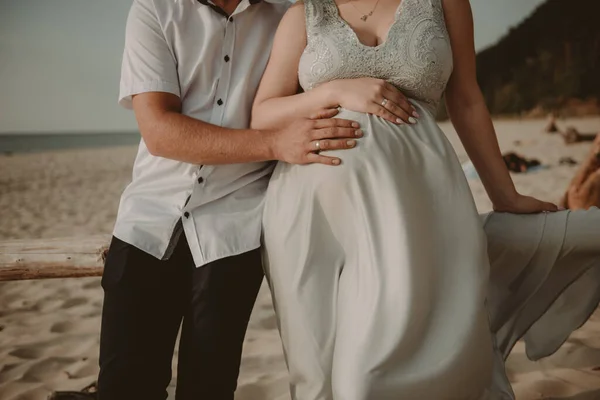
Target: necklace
<point>364,17</point>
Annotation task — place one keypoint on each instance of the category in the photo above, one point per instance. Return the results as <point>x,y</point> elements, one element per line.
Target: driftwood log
<point>53,258</point>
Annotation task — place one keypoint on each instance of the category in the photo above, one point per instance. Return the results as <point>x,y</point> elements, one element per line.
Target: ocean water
<point>31,142</point>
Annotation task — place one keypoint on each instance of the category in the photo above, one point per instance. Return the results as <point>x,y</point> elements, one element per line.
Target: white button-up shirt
<point>214,63</point>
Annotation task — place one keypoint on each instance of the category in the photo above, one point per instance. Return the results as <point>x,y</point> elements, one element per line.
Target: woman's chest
<point>416,55</point>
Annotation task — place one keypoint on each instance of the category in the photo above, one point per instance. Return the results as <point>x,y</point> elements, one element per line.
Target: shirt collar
<point>252,2</point>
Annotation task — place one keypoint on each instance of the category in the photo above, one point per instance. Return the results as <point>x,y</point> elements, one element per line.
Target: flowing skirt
<point>544,281</point>
<point>379,270</point>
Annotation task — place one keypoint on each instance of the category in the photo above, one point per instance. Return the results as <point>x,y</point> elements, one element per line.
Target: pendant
<point>364,17</point>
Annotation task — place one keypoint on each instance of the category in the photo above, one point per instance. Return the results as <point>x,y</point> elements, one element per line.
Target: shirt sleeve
<point>148,63</point>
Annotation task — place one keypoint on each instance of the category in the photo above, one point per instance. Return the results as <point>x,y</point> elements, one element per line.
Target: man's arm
<point>170,134</point>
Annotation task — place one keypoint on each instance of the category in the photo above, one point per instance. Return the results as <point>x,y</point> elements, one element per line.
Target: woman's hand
<point>373,96</point>
<point>520,204</point>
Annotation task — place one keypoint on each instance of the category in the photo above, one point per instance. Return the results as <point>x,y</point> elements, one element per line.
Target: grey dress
<point>379,268</point>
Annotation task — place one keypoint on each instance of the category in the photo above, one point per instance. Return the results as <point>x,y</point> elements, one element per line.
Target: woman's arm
<point>470,116</point>
<point>278,103</point>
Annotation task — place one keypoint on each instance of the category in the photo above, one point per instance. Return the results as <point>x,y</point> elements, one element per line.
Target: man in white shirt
<point>185,245</point>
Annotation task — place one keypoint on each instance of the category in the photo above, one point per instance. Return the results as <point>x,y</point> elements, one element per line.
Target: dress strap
<point>314,11</point>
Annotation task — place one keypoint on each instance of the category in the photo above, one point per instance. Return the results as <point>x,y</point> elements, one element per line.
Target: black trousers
<point>145,302</point>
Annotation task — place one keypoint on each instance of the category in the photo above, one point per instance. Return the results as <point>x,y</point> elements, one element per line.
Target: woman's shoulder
<point>295,17</point>
<point>308,11</point>
<point>299,6</point>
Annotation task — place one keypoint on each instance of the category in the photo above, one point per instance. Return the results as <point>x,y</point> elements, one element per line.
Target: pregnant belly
<point>388,156</point>
<point>390,146</point>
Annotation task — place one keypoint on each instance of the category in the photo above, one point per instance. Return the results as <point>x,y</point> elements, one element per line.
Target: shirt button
<point>230,19</point>
<point>227,58</point>
<point>220,102</point>
<point>186,214</point>
<point>200,180</point>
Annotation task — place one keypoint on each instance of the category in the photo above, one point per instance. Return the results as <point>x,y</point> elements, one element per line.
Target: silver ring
<point>318,145</point>
<point>384,102</point>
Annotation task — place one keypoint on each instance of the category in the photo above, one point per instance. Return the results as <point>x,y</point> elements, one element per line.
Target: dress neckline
<point>353,33</point>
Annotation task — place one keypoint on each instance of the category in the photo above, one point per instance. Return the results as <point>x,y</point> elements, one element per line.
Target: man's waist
<point>180,182</point>
<point>176,198</point>
<point>214,230</point>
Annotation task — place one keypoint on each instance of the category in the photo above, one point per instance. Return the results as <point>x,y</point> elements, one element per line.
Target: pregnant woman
<point>378,266</point>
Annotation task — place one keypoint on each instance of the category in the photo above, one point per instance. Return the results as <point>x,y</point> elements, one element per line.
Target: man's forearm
<point>170,134</point>
<point>179,137</point>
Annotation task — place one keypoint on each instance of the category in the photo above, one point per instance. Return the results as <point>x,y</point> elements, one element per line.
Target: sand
<point>49,330</point>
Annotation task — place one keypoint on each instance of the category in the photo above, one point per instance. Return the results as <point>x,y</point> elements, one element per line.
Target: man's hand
<point>301,142</point>
<point>373,96</point>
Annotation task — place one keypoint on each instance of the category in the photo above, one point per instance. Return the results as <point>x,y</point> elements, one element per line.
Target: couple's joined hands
<point>301,142</point>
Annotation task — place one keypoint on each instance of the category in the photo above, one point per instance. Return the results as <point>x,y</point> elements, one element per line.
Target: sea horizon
<point>26,142</point>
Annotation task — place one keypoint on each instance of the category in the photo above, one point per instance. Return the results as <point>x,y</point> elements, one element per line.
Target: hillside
<point>547,62</point>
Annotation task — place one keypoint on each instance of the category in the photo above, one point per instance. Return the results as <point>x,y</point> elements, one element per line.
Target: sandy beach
<point>49,330</point>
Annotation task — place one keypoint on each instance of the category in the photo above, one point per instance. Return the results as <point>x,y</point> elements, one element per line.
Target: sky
<point>60,60</point>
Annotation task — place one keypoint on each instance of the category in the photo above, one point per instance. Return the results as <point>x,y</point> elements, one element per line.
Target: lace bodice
<point>416,56</point>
